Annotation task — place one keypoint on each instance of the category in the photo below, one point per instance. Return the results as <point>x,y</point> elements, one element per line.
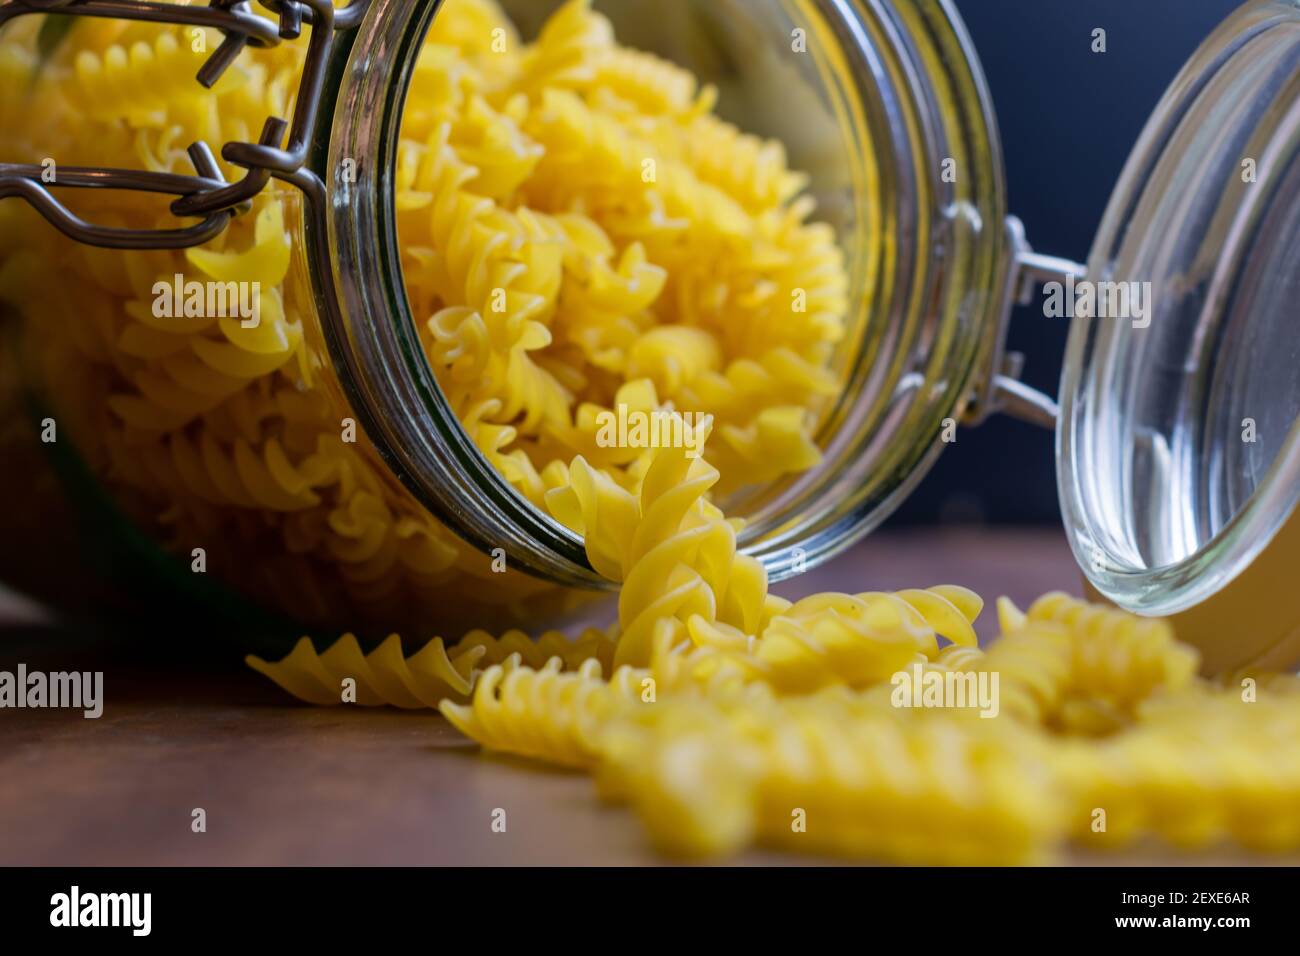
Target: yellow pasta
<point>343,674</point>
<point>581,236</point>
<point>715,746</point>
<point>538,713</point>
<point>1118,656</point>
<point>834,772</point>
<point>860,640</point>
<point>1200,770</point>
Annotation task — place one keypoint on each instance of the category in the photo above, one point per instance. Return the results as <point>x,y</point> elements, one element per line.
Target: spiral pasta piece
<point>383,676</point>
<point>864,639</point>
<point>426,678</point>
<point>544,713</point>
<point>674,553</point>
<point>1117,657</point>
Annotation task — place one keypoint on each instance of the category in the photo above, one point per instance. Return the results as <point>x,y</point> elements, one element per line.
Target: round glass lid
<point>1178,455</point>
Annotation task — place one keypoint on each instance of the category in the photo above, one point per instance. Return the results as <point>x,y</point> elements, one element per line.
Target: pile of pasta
<point>726,716</point>
<point>585,234</point>
<point>581,233</point>
<point>214,436</point>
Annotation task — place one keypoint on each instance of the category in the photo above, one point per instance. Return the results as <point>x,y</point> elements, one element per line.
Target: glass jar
<point>885,94</point>
<point>883,104</point>
<point>1178,458</point>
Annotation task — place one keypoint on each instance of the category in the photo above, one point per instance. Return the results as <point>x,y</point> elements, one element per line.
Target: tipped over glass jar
<point>335,379</point>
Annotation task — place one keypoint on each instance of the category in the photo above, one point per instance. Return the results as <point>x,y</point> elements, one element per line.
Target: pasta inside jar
<point>600,267</point>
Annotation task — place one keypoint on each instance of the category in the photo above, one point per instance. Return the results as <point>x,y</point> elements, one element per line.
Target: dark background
<point>1068,119</point>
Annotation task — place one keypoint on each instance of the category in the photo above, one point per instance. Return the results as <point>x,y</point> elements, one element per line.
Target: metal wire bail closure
<point>206,194</point>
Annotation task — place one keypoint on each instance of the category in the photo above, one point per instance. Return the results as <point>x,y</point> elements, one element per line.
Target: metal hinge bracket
<point>998,388</point>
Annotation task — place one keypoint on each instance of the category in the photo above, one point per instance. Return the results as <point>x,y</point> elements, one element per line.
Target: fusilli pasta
<point>581,233</point>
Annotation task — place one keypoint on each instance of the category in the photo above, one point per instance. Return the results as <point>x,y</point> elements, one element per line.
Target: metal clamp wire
<point>207,194</point>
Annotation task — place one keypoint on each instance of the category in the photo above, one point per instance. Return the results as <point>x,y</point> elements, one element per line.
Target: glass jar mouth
<point>941,258</point>
<point>1178,448</point>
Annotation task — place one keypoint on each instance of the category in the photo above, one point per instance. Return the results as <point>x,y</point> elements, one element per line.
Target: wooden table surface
<point>282,783</point>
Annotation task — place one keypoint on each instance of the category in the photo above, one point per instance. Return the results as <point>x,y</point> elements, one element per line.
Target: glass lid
<point>1177,451</point>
